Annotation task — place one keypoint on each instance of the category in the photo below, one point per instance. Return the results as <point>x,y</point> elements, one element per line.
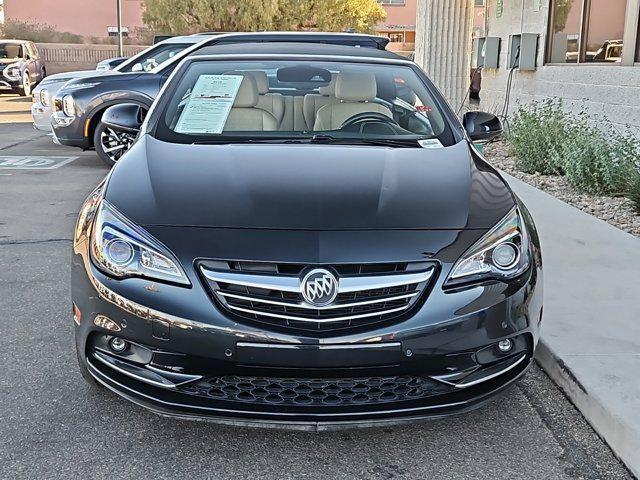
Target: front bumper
<point>41,115</point>
<point>186,358</point>
<point>10,84</point>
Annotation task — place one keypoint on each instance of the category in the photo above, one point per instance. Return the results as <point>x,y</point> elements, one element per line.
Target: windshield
<point>274,100</point>
<point>10,50</point>
<point>149,59</point>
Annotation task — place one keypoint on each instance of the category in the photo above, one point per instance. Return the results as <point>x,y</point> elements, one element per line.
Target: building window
<point>586,31</point>
<point>479,3</point>
<point>392,2</point>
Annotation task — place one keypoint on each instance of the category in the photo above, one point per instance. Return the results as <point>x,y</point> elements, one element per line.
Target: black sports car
<point>304,235</point>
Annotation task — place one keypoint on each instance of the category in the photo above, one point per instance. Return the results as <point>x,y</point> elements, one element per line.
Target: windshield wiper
<point>383,142</point>
<point>229,140</point>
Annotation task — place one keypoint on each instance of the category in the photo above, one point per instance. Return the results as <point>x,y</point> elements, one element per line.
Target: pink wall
<point>400,14</point>
<point>89,18</point>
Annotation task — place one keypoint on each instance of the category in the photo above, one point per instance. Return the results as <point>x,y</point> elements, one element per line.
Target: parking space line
<point>33,162</point>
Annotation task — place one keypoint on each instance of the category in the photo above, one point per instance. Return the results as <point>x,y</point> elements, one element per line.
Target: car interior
<point>309,98</point>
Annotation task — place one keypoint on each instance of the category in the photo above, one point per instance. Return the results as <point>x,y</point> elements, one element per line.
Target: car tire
<point>25,88</point>
<point>110,144</point>
<point>84,371</point>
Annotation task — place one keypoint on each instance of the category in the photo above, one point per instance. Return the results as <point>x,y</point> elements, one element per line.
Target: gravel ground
<point>616,211</point>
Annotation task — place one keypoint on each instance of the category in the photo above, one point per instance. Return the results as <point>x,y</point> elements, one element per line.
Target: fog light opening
<point>506,345</point>
<point>118,345</point>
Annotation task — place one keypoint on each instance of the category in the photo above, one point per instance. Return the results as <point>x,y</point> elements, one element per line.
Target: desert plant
<point>37,33</point>
<point>597,160</point>
<point>535,133</point>
<point>633,191</point>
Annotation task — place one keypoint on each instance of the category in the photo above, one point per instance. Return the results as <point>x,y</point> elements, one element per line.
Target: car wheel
<point>25,88</point>
<point>111,144</point>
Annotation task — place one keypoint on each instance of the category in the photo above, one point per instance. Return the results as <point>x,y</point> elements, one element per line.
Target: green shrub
<point>633,191</point>
<point>596,161</point>
<point>535,133</point>
<point>37,33</point>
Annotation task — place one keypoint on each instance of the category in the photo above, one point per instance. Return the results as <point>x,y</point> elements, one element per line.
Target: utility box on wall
<point>523,51</point>
<point>492,52</point>
<point>477,53</point>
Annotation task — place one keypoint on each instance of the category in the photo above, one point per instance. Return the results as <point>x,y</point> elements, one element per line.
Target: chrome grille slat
<point>367,293</point>
<point>334,319</point>
<point>309,307</point>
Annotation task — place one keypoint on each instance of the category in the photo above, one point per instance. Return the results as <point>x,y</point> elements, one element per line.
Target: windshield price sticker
<point>209,104</point>
<point>430,143</point>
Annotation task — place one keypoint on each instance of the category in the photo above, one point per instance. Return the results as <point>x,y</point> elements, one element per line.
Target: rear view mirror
<point>125,116</point>
<point>482,126</point>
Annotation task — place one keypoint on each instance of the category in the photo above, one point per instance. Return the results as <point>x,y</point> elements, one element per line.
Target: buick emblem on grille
<point>319,287</point>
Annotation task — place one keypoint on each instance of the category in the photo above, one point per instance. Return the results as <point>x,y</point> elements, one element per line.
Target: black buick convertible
<point>304,235</point>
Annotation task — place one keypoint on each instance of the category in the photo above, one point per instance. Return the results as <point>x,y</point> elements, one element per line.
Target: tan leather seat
<point>271,102</point>
<point>244,115</point>
<point>355,92</point>
<point>315,101</point>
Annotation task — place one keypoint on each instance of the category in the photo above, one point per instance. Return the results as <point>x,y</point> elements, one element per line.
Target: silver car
<point>141,62</point>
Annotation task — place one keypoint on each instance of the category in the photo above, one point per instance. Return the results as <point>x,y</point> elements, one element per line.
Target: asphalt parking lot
<point>53,425</point>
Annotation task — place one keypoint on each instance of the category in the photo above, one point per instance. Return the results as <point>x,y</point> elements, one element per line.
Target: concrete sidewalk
<point>591,328</point>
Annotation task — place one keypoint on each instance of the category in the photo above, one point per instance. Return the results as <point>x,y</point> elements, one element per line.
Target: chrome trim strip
<point>292,284</point>
<point>169,385</point>
<point>162,381</point>
<point>483,379</point>
<point>350,346</point>
<point>311,307</point>
<point>319,320</point>
<point>356,284</point>
<point>268,282</point>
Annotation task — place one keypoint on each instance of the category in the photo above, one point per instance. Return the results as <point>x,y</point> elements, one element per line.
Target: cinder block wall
<point>63,57</point>
<point>600,90</point>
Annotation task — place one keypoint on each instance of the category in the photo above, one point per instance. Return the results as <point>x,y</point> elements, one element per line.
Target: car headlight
<point>79,86</point>
<point>45,98</point>
<point>12,71</point>
<point>122,249</point>
<point>502,253</point>
<point>68,106</point>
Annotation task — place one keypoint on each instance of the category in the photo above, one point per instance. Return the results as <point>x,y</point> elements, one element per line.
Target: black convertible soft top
<point>333,38</point>
<point>292,49</point>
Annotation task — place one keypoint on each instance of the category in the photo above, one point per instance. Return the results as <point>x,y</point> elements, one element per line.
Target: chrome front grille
<point>271,293</point>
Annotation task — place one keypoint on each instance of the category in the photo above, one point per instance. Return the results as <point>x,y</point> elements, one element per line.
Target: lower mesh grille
<point>315,392</point>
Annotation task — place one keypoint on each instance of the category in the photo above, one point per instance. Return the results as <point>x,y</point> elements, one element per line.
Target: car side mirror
<point>137,67</point>
<point>482,126</point>
<point>125,116</point>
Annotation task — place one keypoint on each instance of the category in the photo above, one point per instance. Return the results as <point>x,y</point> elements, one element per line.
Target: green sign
<point>499,8</point>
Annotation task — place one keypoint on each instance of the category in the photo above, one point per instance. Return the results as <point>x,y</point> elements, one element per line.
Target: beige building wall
<point>609,91</point>
<point>443,45</point>
<point>89,18</point>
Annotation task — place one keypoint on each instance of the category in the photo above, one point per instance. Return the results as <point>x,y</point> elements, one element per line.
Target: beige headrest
<point>247,93</point>
<point>330,89</point>
<point>356,86</point>
<point>262,81</point>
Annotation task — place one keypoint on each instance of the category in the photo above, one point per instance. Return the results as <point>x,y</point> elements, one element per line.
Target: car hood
<point>307,187</point>
<point>9,61</point>
<point>57,77</point>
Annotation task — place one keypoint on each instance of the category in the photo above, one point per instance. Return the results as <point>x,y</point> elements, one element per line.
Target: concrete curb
<point>624,442</point>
